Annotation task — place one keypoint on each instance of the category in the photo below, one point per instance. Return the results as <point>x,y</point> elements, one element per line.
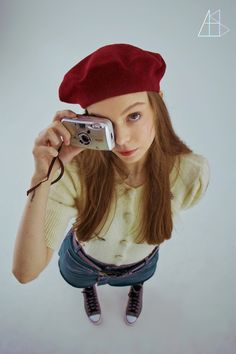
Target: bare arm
<point>31,255</point>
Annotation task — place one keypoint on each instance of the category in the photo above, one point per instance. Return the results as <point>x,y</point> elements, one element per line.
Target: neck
<point>137,168</point>
<point>135,172</point>
<point>136,175</point>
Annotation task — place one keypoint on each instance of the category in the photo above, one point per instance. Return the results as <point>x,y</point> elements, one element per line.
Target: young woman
<point>124,201</point>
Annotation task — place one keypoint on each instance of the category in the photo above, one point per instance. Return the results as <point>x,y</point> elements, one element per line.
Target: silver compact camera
<point>90,132</point>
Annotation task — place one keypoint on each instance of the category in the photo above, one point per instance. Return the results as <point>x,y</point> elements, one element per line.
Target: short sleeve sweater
<point>115,245</point>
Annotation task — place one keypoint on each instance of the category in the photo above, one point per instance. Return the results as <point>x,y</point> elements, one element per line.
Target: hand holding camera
<point>76,132</point>
<point>49,141</point>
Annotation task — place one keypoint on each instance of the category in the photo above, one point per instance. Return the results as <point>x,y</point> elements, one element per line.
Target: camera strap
<point>49,171</point>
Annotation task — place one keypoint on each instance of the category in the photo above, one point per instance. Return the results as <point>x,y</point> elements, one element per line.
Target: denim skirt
<point>81,270</point>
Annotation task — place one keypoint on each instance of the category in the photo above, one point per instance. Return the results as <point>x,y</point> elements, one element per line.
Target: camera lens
<point>84,139</point>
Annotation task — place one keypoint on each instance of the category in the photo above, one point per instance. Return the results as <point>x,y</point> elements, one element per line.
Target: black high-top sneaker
<point>91,305</point>
<point>134,305</point>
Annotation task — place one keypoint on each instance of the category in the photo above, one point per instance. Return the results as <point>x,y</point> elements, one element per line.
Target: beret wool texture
<point>112,70</point>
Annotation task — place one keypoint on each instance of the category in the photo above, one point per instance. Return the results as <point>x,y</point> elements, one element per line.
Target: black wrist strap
<point>49,171</point>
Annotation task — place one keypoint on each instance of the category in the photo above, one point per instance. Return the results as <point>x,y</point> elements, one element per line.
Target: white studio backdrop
<point>189,303</point>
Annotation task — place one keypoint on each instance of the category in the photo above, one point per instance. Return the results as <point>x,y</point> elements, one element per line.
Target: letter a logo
<point>212,26</point>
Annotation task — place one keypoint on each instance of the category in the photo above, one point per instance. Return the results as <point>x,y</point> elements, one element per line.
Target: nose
<point>122,135</point>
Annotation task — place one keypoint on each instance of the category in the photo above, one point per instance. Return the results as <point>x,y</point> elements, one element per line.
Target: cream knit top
<point>114,245</point>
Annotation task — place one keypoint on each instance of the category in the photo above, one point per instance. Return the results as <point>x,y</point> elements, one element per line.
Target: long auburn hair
<point>97,173</point>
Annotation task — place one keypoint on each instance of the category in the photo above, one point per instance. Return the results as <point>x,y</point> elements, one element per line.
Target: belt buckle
<point>110,274</point>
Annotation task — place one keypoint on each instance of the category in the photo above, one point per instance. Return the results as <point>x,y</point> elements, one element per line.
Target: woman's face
<point>133,124</point>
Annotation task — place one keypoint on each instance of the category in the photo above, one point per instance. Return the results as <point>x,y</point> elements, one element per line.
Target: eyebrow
<point>125,111</point>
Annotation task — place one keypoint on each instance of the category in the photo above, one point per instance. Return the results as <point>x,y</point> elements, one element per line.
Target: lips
<point>127,153</point>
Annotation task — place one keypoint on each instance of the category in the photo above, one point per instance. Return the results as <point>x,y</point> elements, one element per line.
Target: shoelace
<point>91,299</point>
<point>134,302</point>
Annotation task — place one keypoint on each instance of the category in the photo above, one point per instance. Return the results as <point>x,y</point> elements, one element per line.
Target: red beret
<point>112,70</point>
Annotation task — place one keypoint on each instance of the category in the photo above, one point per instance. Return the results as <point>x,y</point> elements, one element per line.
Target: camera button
<point>96,126</point>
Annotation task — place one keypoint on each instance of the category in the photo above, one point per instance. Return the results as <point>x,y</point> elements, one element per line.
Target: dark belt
<point>122,269</point>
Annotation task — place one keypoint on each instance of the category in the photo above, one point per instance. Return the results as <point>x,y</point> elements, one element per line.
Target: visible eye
<point>135,116</point>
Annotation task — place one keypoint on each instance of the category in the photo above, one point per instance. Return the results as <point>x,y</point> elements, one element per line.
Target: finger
<point>52,137</point>
<point>48,137</point>
<point>62,132</point>
<point>54,134</point>
<point>65,113</point>
<point>44,151</point>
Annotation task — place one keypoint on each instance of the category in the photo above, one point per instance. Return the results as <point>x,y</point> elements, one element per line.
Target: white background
<point>189,303</point>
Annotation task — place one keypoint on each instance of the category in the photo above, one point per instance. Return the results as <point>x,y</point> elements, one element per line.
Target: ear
<point>161,94</point>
